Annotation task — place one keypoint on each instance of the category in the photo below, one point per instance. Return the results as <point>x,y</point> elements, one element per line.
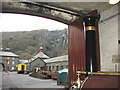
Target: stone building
<point>37,60</point>
<point>9,60</point>
<point>56,63</point>
<point>107,40</point>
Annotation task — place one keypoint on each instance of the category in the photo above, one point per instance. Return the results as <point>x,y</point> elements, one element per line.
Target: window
<point>57,68</point>
<point>61,67</point>
<point>13,58</point>
<point>66,66</point>
<point>13,68</point>
<point>8,57</point>
<point>13,62</point>
<point>46,68</point>
<point>8,62</point>
<point>49,68</point>
<point>52,67</point>
<point>118,41</point>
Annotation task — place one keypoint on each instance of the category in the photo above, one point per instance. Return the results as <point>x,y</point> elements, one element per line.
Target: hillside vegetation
<point>27,43</point>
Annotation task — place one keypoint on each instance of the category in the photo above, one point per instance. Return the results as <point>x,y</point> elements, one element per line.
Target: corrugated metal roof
<point>8,54</point>
<point>63,70</point>
<point>57,59</point>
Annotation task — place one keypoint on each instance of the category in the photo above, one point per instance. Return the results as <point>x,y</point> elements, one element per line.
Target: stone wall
<point>108,30</point>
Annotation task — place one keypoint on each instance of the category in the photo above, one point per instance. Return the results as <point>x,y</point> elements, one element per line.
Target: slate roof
<point>23,61</point>
<point>10,54</point>
<point>40,55</point>
<point>57,59</point>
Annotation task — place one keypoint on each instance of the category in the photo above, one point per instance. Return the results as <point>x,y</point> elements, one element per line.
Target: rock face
<point>27,43</point>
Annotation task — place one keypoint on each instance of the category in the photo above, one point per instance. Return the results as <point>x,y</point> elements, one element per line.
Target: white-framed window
<point>8,62</point>
<point>13,58</point>
<point>13,68</point>
<point>13,62</point>
<point>8,57</point>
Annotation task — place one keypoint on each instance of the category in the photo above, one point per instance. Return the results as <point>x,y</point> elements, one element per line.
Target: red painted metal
<point>102,81</point>
<point>6,66</point>
<point>76,49</point>
<point>98,46</point>
<point>54,76</point>
<point>3,60</point>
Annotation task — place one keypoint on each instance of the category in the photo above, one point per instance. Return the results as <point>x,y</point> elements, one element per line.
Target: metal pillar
<point>91,56</point>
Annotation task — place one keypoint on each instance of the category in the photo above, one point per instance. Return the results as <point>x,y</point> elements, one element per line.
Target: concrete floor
<point>12,80</point>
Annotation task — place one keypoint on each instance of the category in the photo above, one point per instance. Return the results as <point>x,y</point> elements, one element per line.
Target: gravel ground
<point>14,80</point>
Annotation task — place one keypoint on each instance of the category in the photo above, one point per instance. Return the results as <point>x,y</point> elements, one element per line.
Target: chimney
<point>41,49</point>
<point>91,57</point>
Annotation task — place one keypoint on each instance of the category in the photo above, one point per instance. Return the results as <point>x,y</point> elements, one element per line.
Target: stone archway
<point>76,41</point>
<point>2,67</point>
<point>40,10</point>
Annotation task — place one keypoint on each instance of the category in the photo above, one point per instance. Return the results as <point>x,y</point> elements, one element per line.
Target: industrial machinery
<point>21,68</point>
<point>92,77</point>
<point>97,80</point>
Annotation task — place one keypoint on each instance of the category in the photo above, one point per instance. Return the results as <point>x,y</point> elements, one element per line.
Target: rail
<point>99,73</point>
<point>79,83</point>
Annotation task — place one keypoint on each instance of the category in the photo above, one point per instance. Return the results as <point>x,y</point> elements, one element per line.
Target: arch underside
<point>2,65</point>
<point>65,12</point>
<point>38,10</point>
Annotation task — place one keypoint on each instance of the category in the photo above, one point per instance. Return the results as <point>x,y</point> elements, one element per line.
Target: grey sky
<point>19,22</point>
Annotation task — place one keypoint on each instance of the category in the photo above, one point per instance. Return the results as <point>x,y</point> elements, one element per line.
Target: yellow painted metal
<point>98,73</point>
<point>20,67</point>
<point>90,28</point>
